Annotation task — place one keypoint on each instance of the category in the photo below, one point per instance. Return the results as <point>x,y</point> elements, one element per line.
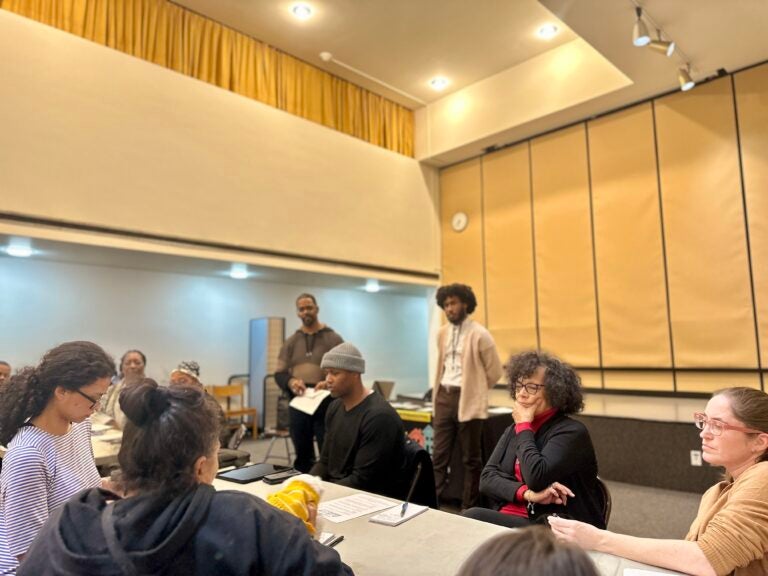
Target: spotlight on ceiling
<point>440,83</point>
<point>372,286</point>
<point>239,271</point>
<point>663,46</point>
<point>302,11</point>
<point>684,77</point>
<point>547,31</point>
<point>640,36</point>
<point>19,247</point>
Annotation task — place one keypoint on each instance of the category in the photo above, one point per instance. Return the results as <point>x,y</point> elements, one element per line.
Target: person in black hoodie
<point>545,463</point>
<point>172,521</point>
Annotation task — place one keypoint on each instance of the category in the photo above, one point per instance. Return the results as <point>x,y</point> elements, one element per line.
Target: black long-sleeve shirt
<point>363,448</point>
<point>560,451</point>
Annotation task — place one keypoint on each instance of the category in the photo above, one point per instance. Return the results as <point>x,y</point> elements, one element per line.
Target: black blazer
<point>561,451</point>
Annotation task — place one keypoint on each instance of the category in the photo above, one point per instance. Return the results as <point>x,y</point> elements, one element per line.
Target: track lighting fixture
<point>684,77</point>
<point>640,35</point>
<point>665,47</point>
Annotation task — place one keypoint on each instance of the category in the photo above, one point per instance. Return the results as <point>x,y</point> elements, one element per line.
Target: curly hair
<point>460,291</point>
<point>167,430</point>
<point>562,385</point>
<point>71,365</point>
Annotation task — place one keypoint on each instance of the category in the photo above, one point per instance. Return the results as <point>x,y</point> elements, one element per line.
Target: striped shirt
<point>40,472</point>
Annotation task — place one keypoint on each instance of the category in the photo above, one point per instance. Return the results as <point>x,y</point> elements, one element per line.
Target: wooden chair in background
<point>232,396</point>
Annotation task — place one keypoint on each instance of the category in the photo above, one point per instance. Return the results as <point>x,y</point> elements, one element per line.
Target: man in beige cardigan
<point>468,366</point>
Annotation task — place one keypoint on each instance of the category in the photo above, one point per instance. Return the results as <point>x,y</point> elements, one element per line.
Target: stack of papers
<point>391,517</point>
<point>348,507</point>
<point>310,401</point>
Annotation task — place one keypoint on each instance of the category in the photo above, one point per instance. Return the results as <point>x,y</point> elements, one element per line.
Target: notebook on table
<point>391,516</point>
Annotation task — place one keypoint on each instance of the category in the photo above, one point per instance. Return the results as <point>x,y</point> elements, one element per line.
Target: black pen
<point>335,541</point>
<point>410,492</point>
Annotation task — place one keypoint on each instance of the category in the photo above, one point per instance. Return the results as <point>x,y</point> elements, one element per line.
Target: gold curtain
<point>171,36</point>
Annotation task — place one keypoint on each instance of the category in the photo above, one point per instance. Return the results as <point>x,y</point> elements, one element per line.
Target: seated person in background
<point>132,366</point>
<point>188,374</point>
<point>365,440</point>
<point>544,463</point>
<point>44,422</point>
<point>530,552</point>
<point>172,521</point>
<point>730,533</point>
<point>5,371</point>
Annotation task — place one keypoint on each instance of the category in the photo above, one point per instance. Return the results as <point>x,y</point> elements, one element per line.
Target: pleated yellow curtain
<point>171,36</point>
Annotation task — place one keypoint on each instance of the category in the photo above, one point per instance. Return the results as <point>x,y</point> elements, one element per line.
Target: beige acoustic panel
<point>711,381</point>
<point>752,104</point>
<point>650,381</point>
<point>563,236</point>
<point>461,191</point>
<point>634,325</point>
<point>709,282</point>
<point>591,378</point>
<point>510,286</point>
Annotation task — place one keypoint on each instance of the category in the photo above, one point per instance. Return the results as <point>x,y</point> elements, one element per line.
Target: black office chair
<point>606,500</point>
<point>418,472</point>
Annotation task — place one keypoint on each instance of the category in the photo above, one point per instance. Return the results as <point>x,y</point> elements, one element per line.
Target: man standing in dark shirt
<point>365,445</point>
<point>298,368</point>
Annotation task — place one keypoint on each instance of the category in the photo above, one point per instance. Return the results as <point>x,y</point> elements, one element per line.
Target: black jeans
<point>304,428</point>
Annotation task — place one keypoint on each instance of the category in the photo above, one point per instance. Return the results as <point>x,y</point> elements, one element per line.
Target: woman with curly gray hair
<point>544,463</point>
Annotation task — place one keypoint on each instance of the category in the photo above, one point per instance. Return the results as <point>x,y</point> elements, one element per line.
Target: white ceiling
<point>404,43</point>
<point>90,255</point>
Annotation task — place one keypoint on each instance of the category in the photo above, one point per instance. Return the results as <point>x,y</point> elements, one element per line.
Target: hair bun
<point>144,402</point>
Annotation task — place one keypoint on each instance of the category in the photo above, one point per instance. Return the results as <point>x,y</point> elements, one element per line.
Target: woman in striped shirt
<point>44,413</point>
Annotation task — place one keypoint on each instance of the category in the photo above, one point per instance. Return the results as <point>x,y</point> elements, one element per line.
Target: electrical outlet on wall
<point>695,457</point>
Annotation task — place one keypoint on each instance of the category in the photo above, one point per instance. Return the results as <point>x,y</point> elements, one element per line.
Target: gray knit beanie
<point>344,357</point>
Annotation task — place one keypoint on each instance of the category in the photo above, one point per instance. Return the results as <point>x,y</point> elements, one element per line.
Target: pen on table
<point>335,541</point>
<point>410,491</point>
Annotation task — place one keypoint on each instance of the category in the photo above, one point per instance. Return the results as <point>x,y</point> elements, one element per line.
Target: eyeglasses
<point>716,427</point>
<point>529,387</point>
<point>94,402</point>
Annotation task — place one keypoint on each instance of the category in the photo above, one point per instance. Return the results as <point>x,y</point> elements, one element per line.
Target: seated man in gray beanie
<point>364,437</point>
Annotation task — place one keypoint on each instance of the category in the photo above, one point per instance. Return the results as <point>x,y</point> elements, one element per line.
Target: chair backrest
<point>606,500</point>
<point>424,490</point>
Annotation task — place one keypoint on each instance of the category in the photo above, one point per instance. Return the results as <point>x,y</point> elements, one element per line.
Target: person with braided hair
<point>44,422</point>
<point>172,521</point>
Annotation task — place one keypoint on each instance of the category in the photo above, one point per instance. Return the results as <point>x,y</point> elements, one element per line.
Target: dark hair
<point>305,295</point>
<point>122,359</point>
<point>562,385</point>
<point>167,430</point>
<point>750,407</point>
<point>71,365</point>
<point>532,551</point>
<point>460,291</point>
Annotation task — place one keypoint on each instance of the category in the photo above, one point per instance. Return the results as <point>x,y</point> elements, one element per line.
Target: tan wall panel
<point>711,381</point>
<point>646,381</point>
<point>565,278</point>
<point>634,326</point>
<point>710,298</point>
<point>591,378</point>
<point>752,103</point>
<point>460,191</point>
<point>509,250</point>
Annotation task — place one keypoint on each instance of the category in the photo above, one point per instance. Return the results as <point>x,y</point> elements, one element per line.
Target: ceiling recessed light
<point>372,286</point>
<point>302,11</point>
<point>19,247</point>
<point>439,83</point>
<point>547,31</point>
<point>239,271</point>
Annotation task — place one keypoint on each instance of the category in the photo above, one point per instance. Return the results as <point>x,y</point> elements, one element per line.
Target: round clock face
<point>459,221</point>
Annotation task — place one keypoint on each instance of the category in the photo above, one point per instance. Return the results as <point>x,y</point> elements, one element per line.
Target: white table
<point>434,542</point>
